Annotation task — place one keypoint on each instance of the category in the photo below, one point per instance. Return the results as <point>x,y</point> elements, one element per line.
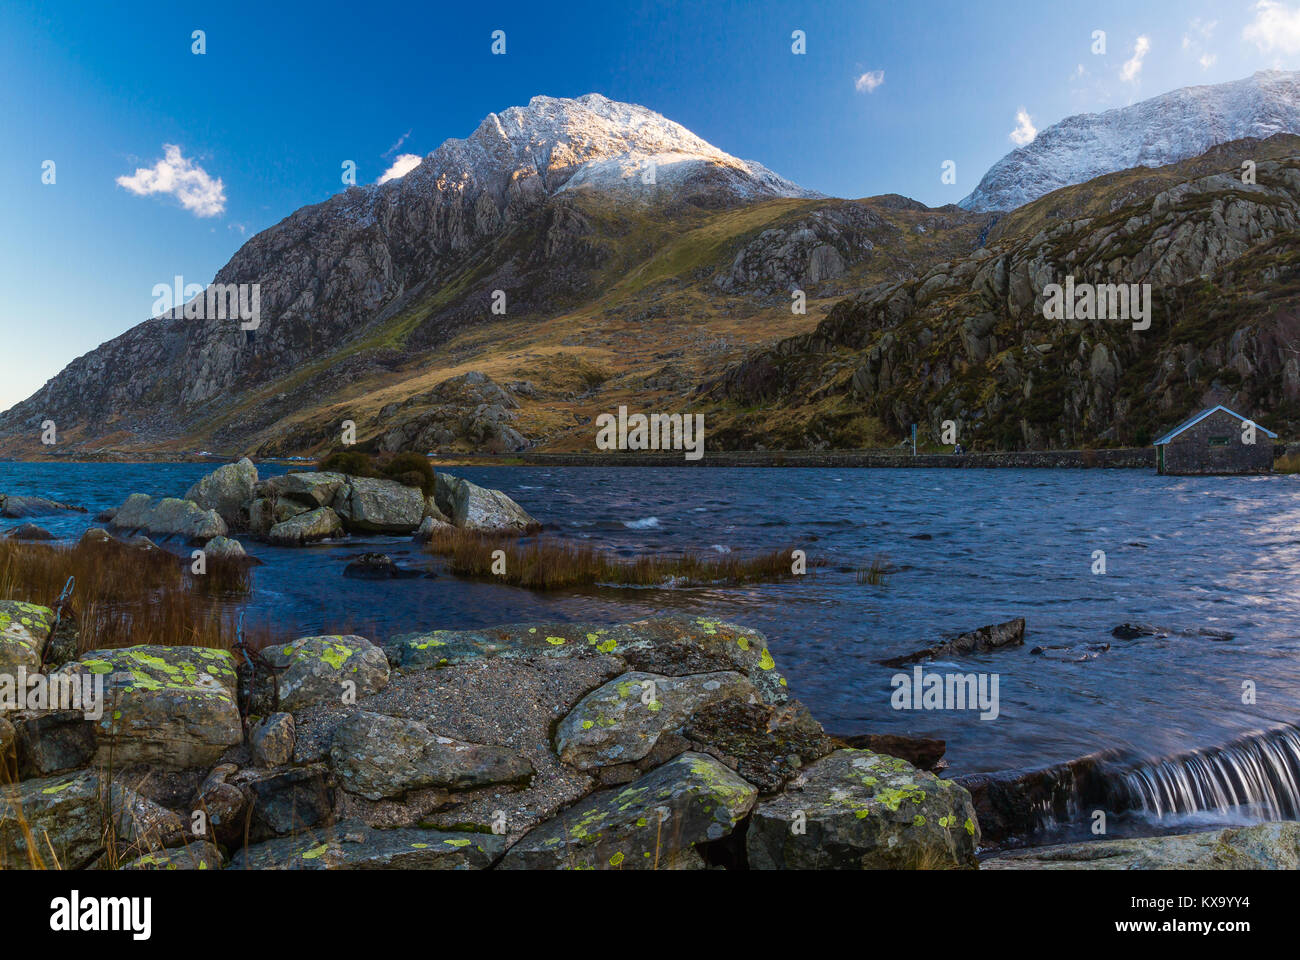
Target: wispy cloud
<point>401,167</point>
<point>868,82</point>
<point>1275,29</point>
<point>1195,41</point>
<point>1132,68</point>
<point>398,145</point>
<point>183,179</point>
<point>1025,130</point>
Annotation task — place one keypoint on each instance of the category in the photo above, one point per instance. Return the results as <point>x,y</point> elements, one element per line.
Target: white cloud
<point>1025,130</point>
<point>1199,33</point>
<point>1133,66</point>
<point>1207,60</point>
<point>401,167</point>
<point>868,82</point>
<point>186,181</point>
<point>1276,27</point>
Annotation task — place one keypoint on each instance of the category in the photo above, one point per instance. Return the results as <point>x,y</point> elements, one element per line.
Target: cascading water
<point>1256,776</point>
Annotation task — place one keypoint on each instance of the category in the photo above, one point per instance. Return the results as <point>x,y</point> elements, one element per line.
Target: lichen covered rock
<point>858,810</point>
<point>671,646</point>
<point>24,628</point>
<point>621,721</point>
<point>656,822</point>
<point>379,756</point>
<point>321,669</point>
<point>354,846</point>
<point>172,707</point>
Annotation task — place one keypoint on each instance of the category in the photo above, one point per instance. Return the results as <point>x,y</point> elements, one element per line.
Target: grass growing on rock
<point>126,595</point>
<point>547,563</point>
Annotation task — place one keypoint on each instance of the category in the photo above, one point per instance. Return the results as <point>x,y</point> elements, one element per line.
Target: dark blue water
<point>966,547</point>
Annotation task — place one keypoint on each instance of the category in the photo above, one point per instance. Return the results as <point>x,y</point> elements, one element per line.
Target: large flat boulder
<point>227,490</point>
<point>672,646</point>
<point>312,489</point>
<point>24,628</point>
<point>303,528</point>
<point>315,670</point>
<point>858,810</point>
<point>371,505</point>
<point>621,721</point>
<point>654,823</point>
<point>171,707</point>
<point>379,756</point>
<point>472,507</point>
<point>1266,846</point>
<point>169,517</point>
<point>355,846</point>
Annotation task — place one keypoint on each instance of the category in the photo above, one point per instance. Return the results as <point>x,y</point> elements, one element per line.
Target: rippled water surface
<point>964,547</point>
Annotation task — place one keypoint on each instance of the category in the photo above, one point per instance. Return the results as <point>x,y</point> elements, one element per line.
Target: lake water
<point>965,547</point>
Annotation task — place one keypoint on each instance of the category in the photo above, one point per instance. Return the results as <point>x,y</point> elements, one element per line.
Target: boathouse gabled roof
<point>1186,424</point>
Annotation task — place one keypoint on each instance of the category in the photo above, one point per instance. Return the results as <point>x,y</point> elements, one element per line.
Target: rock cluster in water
<point>301,508</point>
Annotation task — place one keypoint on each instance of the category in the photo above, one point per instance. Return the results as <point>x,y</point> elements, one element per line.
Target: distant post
<point>913,439</point>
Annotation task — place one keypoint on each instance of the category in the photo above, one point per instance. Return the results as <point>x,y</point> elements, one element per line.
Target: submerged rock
<point>13,506</point>
<point>857,810</point>
<point>1266,846</point>
<point>377,566</point>
<point>656,822</point>
<point>994,637</point>
<point>379,756</point>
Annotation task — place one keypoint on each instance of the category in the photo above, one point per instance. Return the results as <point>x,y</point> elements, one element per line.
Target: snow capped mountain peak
<point>1165,129</point>
<point>591,142</point>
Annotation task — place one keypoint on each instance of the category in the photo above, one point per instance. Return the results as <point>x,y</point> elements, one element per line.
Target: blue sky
<point>286,92</point>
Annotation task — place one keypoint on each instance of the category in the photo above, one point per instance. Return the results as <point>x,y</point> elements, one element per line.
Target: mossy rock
<point>322,669</point>
<point>24,628</point>
<point>858,810</point>
<point>354,846</point>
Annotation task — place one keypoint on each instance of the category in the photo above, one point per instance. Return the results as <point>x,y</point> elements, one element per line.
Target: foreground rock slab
<point>171,707</point>
<point>655,822</point>
<point>379,756</point>
<point>857,810</point>
<point>355,846</point>
<point>671,646</point>
<point>1266,846</point>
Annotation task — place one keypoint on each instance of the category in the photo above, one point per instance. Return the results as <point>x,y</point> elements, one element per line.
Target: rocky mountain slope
<point>376,302</point>
<point>968,340</point>
<point>1166,129</point>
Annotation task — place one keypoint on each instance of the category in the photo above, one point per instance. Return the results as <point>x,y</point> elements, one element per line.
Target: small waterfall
<point>1257,775</point>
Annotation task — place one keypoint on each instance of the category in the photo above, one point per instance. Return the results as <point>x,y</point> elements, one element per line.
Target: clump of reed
<point>548,563</point>
<point>125,594</point>
<point>1290,463</point>
<point>873,575</point>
